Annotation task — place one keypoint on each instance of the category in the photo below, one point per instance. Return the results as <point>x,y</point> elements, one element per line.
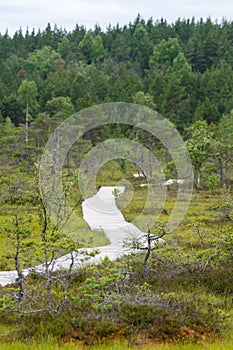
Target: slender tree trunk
<point>198,178</point>
<point>221,169</point>
<point>147,253</point>
<point>17,262</point>
<point>151,163</point>
<point>68,164</point>
<point>26,130</point>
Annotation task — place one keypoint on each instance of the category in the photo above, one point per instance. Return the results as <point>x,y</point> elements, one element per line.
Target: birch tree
<point>27,94</point>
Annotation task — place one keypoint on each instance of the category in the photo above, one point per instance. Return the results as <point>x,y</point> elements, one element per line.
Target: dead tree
<point>150,239</point>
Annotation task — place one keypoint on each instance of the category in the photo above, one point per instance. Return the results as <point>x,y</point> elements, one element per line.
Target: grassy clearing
<point>225,345</point>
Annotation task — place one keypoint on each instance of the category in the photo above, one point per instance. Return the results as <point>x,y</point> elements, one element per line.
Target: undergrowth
<point>185,297</point>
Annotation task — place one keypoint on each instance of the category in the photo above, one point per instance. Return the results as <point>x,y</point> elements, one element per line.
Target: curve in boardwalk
<point>100,212</point>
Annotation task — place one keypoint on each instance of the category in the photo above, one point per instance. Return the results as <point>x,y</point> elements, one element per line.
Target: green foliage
<point>144,100</point>
<point>225,204</point>
<point>225,135</point>
<point>201,146</point>
<point>186,67</point>
<point>92,47</point>
<point>41,61</point>
<point>6,304</point>
<point>212,182</point>
<point>8,140</point>
<point>58,109</point>
<point>116,192</point>
<point>180,65</point>
<point>27,93</point>
<point>165,53</point>
<point>17,190</point>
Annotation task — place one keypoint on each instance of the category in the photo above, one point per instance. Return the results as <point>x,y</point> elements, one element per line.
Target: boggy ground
<point>184,298</point>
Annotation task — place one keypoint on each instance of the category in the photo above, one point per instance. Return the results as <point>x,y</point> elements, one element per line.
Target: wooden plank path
<point>101,213</point>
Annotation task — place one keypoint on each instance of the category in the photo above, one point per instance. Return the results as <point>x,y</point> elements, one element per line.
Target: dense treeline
<point>185,68</point>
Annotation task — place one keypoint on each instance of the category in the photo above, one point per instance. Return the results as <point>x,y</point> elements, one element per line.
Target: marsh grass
<point>187,291</point>
<point>83,235</point>
<point>224,345</point>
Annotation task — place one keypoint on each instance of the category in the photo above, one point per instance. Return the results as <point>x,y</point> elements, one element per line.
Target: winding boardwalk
<point>100,212</point>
